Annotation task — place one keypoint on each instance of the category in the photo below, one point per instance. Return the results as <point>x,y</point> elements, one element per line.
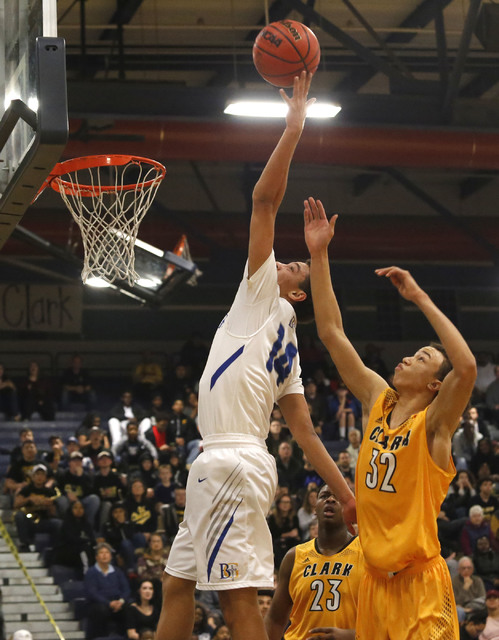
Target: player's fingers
<point>313,207</point>
<point>284,96</point>
<point>306,212</point>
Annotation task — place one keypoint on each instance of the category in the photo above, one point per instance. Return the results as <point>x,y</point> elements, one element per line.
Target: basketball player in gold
<point>319,581</point>
<point>405,464</point>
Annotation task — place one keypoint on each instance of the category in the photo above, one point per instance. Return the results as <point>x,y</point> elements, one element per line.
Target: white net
<point>108,203</point>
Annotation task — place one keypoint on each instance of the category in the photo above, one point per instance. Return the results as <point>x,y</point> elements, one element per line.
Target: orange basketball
<point>283,49</point>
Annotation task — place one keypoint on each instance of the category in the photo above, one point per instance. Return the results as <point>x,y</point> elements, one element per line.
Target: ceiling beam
<point>277,11</point>
<point>350,43</point>
<point>458,68</point>
<point>123,15</point>
<point>470,186</point>
<point>422,15</point>
<point>491,249</point>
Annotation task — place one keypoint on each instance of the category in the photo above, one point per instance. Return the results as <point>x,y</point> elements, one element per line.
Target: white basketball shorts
<point>224,541</point>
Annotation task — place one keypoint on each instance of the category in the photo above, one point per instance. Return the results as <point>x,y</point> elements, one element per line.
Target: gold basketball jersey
<point>399,490</point>
<point>324,588</point>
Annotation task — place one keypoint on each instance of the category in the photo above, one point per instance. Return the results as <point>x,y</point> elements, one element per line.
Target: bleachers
<point>64,425</point>
<point>20,607</point>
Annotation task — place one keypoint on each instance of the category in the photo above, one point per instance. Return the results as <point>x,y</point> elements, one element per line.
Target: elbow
<point>467,370</point>
<point>325,333</point>
<point>262,201</point>
<point>330,335</point>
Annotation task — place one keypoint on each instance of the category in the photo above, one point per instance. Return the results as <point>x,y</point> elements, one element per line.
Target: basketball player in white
<point>224,543</point>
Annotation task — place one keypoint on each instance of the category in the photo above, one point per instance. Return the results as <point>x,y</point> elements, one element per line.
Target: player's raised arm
<point>455,389</point>
<point>364,383</point>
<point>270,188</point>
<point>297,416</point>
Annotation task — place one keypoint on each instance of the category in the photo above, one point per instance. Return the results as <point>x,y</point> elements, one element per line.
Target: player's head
<point>424,371</point>
<point>293,279</point>
<point>328,509</point>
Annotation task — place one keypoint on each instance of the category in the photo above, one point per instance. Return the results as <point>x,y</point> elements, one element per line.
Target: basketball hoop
<point>108,196</point>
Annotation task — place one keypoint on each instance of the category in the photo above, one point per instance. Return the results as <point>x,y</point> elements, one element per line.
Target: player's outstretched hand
<point>402,280</point>
<point>298,103</point>
<point>330,633</point>
<point>318,231</point>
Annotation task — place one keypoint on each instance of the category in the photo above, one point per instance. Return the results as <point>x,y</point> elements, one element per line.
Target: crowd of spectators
<point>112,495</point>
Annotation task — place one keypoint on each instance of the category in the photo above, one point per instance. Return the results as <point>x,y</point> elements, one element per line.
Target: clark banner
<point>40,307</point>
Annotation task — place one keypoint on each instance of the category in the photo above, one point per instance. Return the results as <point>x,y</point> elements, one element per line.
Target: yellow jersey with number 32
<point>324,589</point>
<point>399,490</point>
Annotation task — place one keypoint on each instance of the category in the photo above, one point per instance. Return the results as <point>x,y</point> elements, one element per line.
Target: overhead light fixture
<point>98,283</point>
<point>273,109</point>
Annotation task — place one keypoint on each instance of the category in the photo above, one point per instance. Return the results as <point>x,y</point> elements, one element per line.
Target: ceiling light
<point>271,109</point>
<point>149,283</point>
<point>98,283</point>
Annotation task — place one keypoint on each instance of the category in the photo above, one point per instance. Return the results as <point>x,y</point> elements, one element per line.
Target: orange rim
<point>88,162</point>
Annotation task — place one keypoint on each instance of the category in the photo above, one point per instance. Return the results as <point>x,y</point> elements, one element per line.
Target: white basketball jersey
<point>253,359</point>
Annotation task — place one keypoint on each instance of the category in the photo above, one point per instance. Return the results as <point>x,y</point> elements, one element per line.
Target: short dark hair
<point>446,365</point>
<point>477,617</point>
<point>305,308</point>
<point>485,479</point>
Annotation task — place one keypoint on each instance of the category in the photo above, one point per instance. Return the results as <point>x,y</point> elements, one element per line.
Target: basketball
<point>283,49</point>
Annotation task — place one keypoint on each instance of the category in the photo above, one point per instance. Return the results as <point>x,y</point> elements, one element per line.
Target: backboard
<point>34,125</point>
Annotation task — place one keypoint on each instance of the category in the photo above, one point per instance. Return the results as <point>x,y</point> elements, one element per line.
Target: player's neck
<point>330,542</point>
<point>408,403</point>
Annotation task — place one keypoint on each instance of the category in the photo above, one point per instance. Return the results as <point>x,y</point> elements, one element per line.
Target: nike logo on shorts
<point>202,479</point>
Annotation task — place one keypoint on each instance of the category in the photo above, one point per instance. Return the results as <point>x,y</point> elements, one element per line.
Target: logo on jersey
<point>281,357</point>
<point>292,323</point>
<point>229,570</point>
<point>396,442</point>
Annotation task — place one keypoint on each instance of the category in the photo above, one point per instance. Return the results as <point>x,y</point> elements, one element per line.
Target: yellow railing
<point>5,535</point>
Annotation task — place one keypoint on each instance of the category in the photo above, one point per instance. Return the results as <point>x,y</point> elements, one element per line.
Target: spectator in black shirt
<point>107,485</point>
<point>77,386</point>
<point>119,533</point>
<point>182,433</point>
<point>140,510</point>
<point>56,457</point>
<point>289,470</point>
<point>144,613</point>
<point>76,484</point>
<point>35,395</point>
<point>16,453</point>
<point>95,445</point>
<point>36,508</point>
<point>148,473</point>
<point>485,499</point>
<point>173,514</point>
<point>129,450</point>
<point>8,397</point>
<point>19,473</point>
<point>76,540</point>
<point>486,561</point>
<point>121,414</point>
